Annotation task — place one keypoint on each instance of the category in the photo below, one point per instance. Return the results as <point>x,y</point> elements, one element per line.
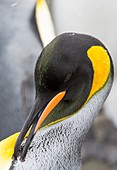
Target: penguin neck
<point>59,146</point>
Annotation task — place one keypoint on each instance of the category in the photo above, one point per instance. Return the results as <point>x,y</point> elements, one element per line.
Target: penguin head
<point>64,66</point>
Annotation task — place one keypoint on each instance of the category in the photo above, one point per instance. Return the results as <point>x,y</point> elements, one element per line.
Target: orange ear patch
<point>101,65</point>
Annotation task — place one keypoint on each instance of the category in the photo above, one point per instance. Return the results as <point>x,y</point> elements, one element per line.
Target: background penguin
<point>17,62</point>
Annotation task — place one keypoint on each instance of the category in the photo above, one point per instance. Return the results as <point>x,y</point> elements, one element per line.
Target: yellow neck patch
<point>6,151</point>
<point>101,65</point>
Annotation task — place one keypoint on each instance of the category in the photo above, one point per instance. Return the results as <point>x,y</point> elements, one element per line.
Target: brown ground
<point>97,165</point>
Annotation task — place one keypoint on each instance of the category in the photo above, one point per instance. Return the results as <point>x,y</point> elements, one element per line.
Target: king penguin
<point>73,77</point>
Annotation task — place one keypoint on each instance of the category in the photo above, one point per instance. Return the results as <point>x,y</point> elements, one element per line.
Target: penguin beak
<point>39,112</point>
<point>50,106</point>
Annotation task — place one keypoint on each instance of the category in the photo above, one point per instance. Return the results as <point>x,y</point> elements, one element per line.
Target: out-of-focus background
<point>19,50</point>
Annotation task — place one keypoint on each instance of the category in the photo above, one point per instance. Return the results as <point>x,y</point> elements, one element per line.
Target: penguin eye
<point>67,78</point>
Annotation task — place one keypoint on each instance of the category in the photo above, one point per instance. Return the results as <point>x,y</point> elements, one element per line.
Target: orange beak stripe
<point>51,105</point>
